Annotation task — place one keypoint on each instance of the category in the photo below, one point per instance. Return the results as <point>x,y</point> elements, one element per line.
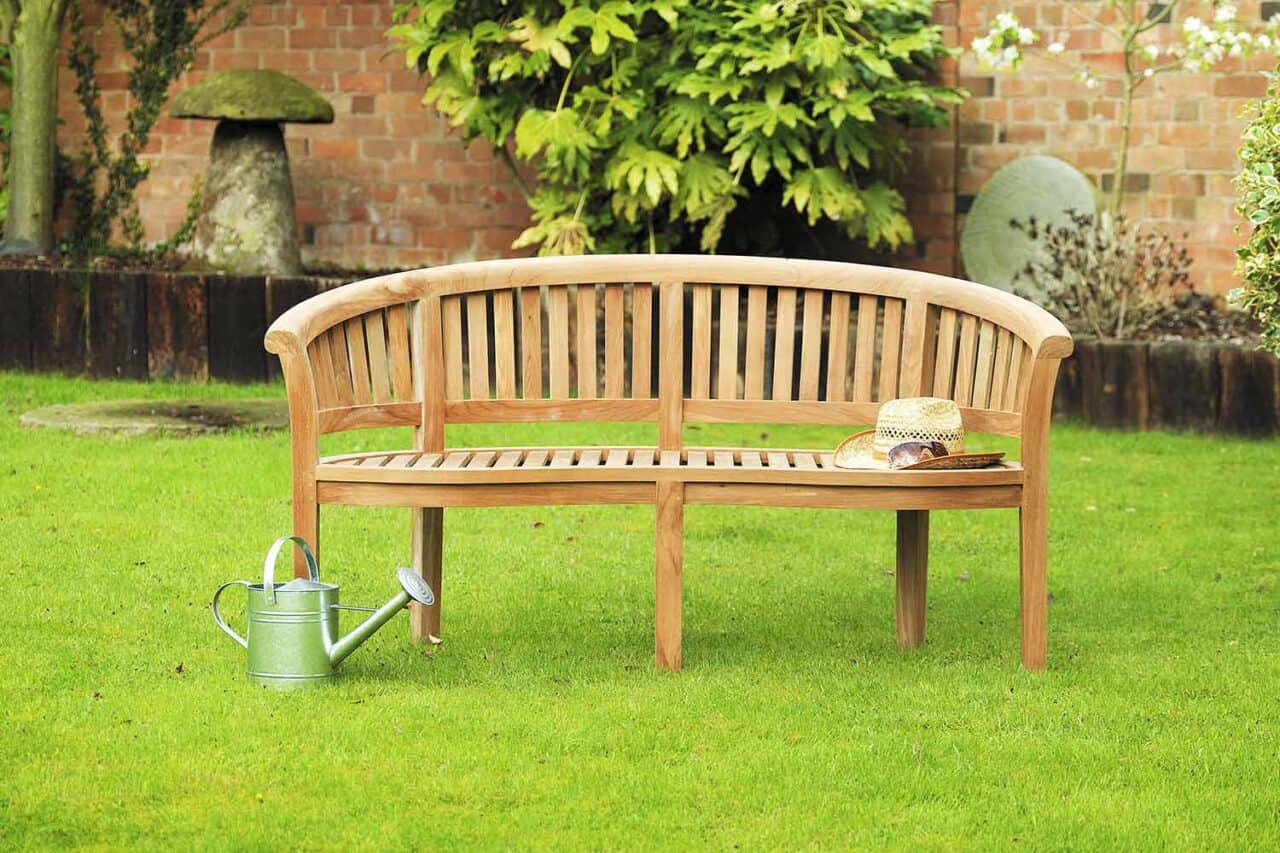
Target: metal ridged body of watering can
<point>292,636</point>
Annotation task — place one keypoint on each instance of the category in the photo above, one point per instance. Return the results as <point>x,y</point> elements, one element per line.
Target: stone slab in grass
<point>161,417</point>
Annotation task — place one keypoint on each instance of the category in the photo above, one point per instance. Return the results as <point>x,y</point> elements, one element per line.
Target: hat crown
<point>919,419</point>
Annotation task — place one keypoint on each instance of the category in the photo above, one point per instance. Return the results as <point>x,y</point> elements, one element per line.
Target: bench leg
<point>306,523</point>
<point>428,540</point>
<point>669,579</point>
<point>912,575</point>
<point>1034,522</point>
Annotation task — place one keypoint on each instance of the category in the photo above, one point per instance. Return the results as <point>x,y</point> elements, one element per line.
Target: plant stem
<point>568,78</point>
<point>1132,28</point>
<point>1126,120</point>
<point>516,178</point>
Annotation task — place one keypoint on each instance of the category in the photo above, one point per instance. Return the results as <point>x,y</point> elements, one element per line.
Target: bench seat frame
<point>1041,340</point>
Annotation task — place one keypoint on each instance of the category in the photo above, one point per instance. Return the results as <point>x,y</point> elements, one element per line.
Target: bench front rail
<point>673,340</point>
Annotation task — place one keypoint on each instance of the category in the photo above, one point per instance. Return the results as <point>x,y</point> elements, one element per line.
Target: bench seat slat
<point>403,460</point>
<point>455,459</point>
<point>481,459</point>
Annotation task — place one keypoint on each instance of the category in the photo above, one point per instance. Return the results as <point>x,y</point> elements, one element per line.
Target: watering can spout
<point>413,587</point>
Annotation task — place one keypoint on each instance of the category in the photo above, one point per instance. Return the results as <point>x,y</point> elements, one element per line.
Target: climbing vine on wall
<point>161,38</point>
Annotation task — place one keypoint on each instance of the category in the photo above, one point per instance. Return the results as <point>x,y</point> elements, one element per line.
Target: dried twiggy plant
<point>1102,274</point>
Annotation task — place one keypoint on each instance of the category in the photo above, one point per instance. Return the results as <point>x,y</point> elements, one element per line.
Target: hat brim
<point>857,452</point>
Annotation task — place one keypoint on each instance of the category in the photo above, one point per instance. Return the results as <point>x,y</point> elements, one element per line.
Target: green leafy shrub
<point>648,122</point>
<point>1258,183</point>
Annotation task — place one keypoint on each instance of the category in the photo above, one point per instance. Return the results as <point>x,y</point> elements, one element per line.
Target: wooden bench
<point>674,340</point>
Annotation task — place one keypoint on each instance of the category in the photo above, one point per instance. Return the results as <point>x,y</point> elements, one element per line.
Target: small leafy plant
<point>1258,260</point>
<point>1103,275</point>
<point>646,122</point>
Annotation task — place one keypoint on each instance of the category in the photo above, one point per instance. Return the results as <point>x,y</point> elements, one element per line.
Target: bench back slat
<point>451,338</point>
<point>477,368</point>
<point>531,342</point>
<point>700,338</point>
<point>642,326</point>
<point>944,358</point>
<point>558,331</point>
<point>504,345</point>
<point>585,360</point>
<point>375,338</point>
<point>322,372</point>
<point>727,355</point>
<point>811,344</point>
<point>889,370</point>
<point>359,361</point>
<point>864,349</point>
<point>757,329</point>
<point>615,339</point>
<point>986,360</point>
<point>784,344</point>
<point>838,347</point>
<point>962,393</point>
<point>400,351</point>
<point>670,358</point>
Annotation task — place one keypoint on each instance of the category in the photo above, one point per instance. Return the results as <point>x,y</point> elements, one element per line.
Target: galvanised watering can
<point>293,627</point>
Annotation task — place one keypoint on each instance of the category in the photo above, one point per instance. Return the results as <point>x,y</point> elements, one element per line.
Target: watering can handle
<point>217,617</point>
<point>269,564</point>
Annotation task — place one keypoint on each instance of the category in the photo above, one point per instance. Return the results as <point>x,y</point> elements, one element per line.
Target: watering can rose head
<point>292,635</point>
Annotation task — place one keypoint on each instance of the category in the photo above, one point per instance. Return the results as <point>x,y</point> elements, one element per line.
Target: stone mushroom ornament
<point>247,223</point>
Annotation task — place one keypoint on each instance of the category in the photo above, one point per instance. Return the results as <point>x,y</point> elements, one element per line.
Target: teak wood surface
<point>671,340</point>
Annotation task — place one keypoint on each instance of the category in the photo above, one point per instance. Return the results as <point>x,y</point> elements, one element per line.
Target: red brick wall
<point>386,185</point>
<point>1186,127</point>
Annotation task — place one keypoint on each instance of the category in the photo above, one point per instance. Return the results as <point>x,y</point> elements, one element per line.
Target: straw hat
<point>922,420</point>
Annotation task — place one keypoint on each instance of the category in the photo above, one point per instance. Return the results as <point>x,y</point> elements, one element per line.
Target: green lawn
<point>125,717</point>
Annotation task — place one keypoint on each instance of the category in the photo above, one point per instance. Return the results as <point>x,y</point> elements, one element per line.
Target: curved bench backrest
<point>666,338</point>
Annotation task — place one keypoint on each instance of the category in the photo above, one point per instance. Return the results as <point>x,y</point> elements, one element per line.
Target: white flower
<point>1263,41</point>
<point>1056,48</point>
<point>1152,52</point>
<point>1091,83</point>
<point>981,44</point>
<point>1148,72</point>
<point>1026,36</point>
<point>1191,24</point>
<point>1225,14</point>
<point>1006,21</point>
